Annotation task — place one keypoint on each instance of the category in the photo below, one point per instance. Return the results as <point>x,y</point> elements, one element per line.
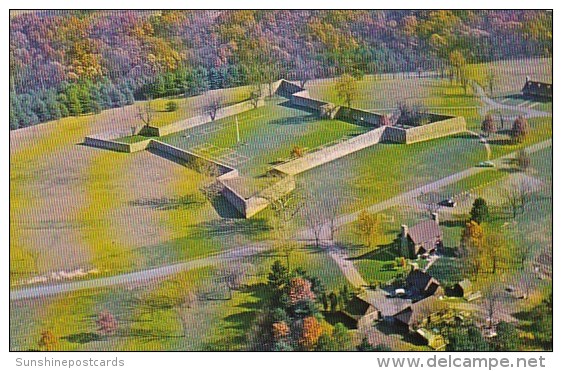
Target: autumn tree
<point>280,330</point>
<point>305,70</point>
<point>48,341</point>
<point>470,247</point>
<point>489,125</point>
<point>479,212</point>
<point>368,227</point>
<point>491,303</point>
<point>311,331</point>
<point>315,221</point>
<point>495,252</point>
<point>456,59</point>
<point>300,289</point>
<point>255,97</point>
<point>297,151</point>
<point>346,88</point>
<point>284,208</point>
<point>107,324</point>
<point>520,130</point>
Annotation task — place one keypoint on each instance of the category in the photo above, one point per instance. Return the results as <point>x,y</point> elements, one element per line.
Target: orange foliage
<point>311,331</point>
<point>280,330</point>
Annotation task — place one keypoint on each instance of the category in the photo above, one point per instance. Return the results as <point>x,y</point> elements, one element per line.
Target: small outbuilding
<point>433,340</point>
<point>421,284</point>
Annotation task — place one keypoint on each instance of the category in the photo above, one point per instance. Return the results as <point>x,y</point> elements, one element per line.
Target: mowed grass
<point>194,106</point>
<point>510,74</point>
<point>107,242</point>
<point>473,182</point>
<point>376,93</point>
<point>531,230</point>
<point>71,317</point>
<point>27,165</point>
<point>267,134</point>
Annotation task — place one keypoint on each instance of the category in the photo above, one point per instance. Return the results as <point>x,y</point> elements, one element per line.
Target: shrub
<point>520,130</point>
<point>297,151</point>
<point>171,106</point>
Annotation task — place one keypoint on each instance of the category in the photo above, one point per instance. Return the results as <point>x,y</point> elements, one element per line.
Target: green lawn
<point>375,93</point>
<point>132,139</point>
<point>510,74</point>
<point>194,106</point>
<point>268,134</point>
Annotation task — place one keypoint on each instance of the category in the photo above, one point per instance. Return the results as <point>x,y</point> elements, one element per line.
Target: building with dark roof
<point>537,89</point>
<point>421,284</point>
<point>422,239</point>
<point>421,313</point>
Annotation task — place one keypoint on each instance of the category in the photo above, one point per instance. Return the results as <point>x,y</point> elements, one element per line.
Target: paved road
<point>490,104</point>
<point>136,277</point>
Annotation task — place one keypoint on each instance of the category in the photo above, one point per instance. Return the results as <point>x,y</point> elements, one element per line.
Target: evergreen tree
<point>73,101</point>
<point>365,346</point>
<point>479,212</point>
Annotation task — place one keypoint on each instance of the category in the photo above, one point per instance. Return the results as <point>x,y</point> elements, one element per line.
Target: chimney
<point>435,217</point>
<point>403,231</point>
<point>404,248</point>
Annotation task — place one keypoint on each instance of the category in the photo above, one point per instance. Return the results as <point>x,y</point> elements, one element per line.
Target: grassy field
<point>510,74</point>
<point>375,93</point>
<point>193,106</point>
<point>267,135</point>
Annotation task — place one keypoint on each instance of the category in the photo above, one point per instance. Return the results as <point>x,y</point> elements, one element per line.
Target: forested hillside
<point>76,62</point>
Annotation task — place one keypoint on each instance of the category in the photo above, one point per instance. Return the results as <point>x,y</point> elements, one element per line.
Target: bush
<point>171,106</point>
<point>297,151</point>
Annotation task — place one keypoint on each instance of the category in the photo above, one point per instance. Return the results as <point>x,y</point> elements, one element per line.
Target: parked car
<point>486,164</point>
<point>448,203</point>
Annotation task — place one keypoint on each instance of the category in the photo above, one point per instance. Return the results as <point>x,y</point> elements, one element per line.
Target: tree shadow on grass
<point>228,227</point>
<point>83,337</point>
<point>387,252</point>
<point>169,203</point>
<point>146,335</point>
<point>453,223</point>
<point>299,120</point>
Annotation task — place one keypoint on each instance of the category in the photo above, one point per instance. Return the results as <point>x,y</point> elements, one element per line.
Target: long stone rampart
<point>189,157</point>
<point>331,153</point>
<point>202,119</point>
<point>448,125</point>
